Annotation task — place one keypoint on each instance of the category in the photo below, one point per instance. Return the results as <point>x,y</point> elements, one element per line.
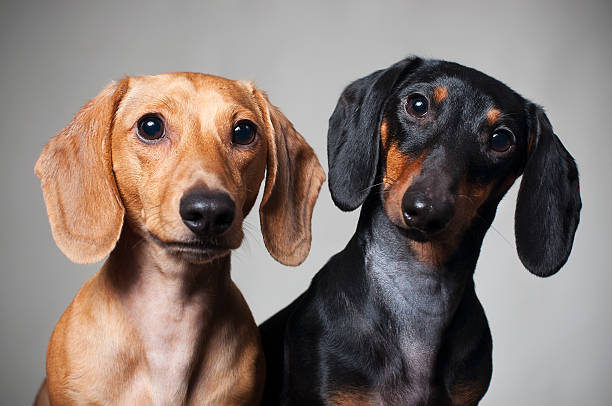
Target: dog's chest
<point>170,332</point>
<point>170,340</point>
<point>418,308</point>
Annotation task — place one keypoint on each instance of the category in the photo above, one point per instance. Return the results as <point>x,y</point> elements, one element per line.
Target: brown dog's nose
<point>422,214</point>
<point>207,213</point>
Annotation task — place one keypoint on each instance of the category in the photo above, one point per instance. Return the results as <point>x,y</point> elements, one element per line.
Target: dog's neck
<point>418,301</point>
<point>139,264</point>
<point>411,287</point>
<point>170,304</point>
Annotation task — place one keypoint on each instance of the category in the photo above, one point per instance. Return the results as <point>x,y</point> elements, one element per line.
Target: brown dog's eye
<point>417,105</point>
<point>150,128</point>
<point>243,133</point>
<point>501,140</point>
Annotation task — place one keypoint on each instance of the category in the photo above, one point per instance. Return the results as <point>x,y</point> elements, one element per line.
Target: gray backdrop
<point>551,336</point>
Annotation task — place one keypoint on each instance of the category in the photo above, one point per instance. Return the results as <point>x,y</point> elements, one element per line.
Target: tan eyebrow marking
<point>440,93</point>
<point>493,115</point>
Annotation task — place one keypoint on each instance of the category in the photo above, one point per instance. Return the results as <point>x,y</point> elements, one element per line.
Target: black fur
<point>352,138</point>
<point>548,203</point>
<point>378,323</point>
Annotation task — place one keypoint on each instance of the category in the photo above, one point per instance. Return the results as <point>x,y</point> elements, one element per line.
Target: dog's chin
<point>419,235</point>
<point>415,234</point>
<point>193,251</point>
<point>198,255</point>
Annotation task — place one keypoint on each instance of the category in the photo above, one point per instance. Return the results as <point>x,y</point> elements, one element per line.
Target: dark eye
<point>150,128</point>
<point>417,105</point>
<point>501,140</point>
<point>243,133</point>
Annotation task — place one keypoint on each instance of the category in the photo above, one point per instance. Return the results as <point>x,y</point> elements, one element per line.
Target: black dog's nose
<point>422,214</point>
<point>207,213</point>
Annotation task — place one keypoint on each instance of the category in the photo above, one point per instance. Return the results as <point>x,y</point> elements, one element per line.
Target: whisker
<point>372,186</point>
<point>502,236</point>
<point>476,215</point>
<point>137,243</point>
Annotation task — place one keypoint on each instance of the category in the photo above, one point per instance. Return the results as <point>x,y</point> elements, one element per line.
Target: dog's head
<point>441,144</point>
<point>179,158</point>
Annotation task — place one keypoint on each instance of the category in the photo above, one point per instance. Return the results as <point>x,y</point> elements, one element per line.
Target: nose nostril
<point>435,225</point>
<point>191,215</point>
<point>224,220</point>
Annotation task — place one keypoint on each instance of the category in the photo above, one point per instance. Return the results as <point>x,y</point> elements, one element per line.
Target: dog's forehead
<point>454,83</point>
<point>471,84</point>
<point>186,91</point>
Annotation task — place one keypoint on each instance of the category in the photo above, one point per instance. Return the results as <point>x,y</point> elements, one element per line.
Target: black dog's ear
<point>548,205</point>
<point>353,135</point>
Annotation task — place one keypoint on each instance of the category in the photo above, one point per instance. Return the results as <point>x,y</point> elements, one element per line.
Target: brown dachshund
<point>160,172</point>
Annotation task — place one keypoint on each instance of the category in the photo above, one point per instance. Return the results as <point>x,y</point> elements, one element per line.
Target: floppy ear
<point>75,170</point>
<point>293,181</point>
<point>548,205</point>
<point>353,136</point>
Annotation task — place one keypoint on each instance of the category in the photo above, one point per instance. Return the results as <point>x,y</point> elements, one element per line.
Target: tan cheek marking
<point>470,198</point>
<point>395,163</point>
<point>439,94</point>
<point>493,116</point>
<point>396,187</point>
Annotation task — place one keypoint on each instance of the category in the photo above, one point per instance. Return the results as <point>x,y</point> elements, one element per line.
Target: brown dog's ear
<point>293,181</point>
<point>75,170</point>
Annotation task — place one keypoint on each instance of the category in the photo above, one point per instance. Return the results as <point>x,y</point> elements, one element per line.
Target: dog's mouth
<point>195,251</point>
<point>419,235</point>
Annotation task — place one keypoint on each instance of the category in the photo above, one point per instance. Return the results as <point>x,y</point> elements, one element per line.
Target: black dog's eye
<point>150,128</point>
<point>417,105</point>
<point>501,140</point>
<point>243,133</point>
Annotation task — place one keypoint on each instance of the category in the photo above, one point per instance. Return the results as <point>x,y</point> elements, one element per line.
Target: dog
<point>428,148</point>
<point>160,172</point>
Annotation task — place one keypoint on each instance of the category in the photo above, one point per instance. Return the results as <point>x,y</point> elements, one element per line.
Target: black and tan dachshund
<point>428,148</point>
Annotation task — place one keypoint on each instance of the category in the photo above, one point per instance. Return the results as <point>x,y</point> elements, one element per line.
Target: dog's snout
<point>207,213</point>
<point>422,213</point>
